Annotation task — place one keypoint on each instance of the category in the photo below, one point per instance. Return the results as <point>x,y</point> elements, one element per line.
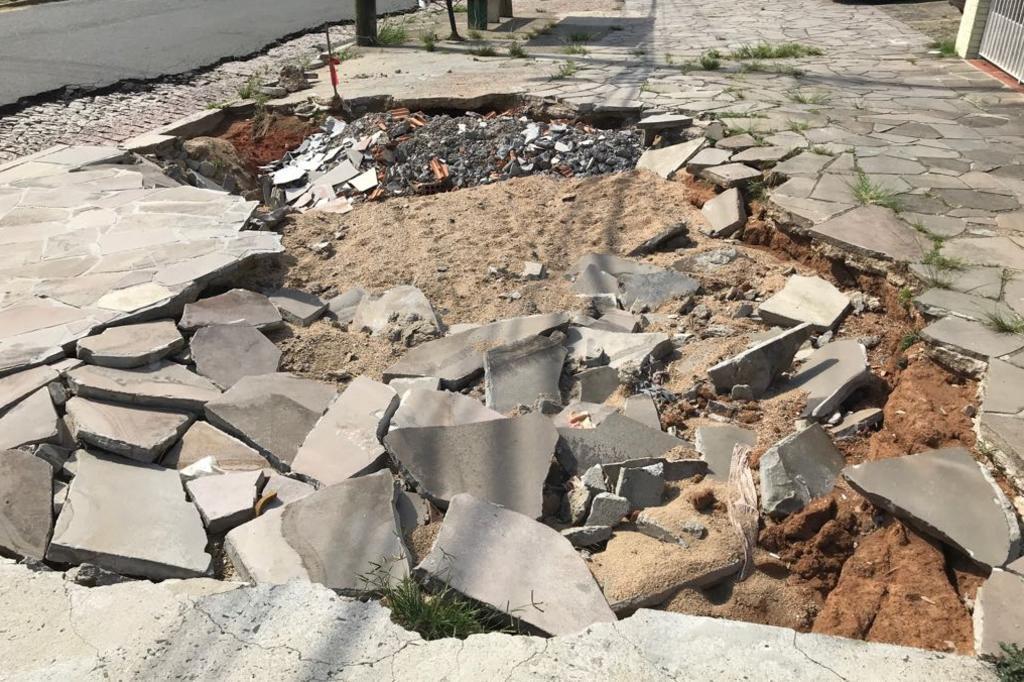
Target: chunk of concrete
<point>806,299</point>
<point>1002,388</point>
<point>971,338</point>
<point>759,365</point>
<point>502,461</point>
<point>623,351</point>
<point>30,422</point>
<point>141,434</point>
<point>238,306</point>
<point>798,469</point>
<point>650,290</point>
<point>597,384</point>
<point>523,372</point>
<point>873,231</point>
<point>17,386</point>
<point>224,353</point>
<point>132,345</point>
<point>333,537</point>
<point>272,413</point>
<point>607,509</point>
<point>26,504</point>
<point>404,303</point>
<point>401,386</point>
<point>162,384</point>
<point>730,175</point>
<point>346,442</point>
<point>129,518</point>
<point>642,486</point>
<point>725,214</point>
<point>617,321</point>
<point>342,308</point>
<point>203,440</point>
<point>667,160</point>
<point>830,376</point>
<point>642,408</point>
<point>857,423</point>
<point>919,489</point>
<point>582,415</point>
<point>515,564</point>
<point>422,407</point>
<point>298,307</point>
<point>592,281</point>
<point>707,157</point>
<point>281,490</point>
<point>612,264</point>
<point>716,444</point>
<point>664,122</point>
<point>996,620</point>
<point>226,500</point>
<point>457,358</point>
<point>616,440</point>
<point>587,536</point>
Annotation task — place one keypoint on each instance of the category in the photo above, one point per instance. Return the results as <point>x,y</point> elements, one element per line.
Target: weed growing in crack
<point>908,340</point>
<point>250,89</point>
<point>868,192</point>
<point>429,41</point>
<point>905,296</point>
<point>801,97</point>
<point>345,54</point>
<point>935,259</point>
<point>1004,323</point>
<point>945,48</point>
<point>442,613</point>
<point>821,151</point>
<point>766,50</point>
<point>392,33</point>
<point>565,70</point>
<point>761,67</point>
<point>516,50</point>
<point>574,48</point>
<point>218,105</point>
<point>707,61</point>
<point>475,35</point>
<point>579,37</point>
<point>798,126</point>
<point>485,50</point>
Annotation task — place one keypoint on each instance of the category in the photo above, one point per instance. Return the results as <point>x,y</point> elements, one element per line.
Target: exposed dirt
<point>259,143</point>
<point>895,589</point>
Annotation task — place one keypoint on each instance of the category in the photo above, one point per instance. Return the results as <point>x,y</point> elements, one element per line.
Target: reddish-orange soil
<point>283,133</point>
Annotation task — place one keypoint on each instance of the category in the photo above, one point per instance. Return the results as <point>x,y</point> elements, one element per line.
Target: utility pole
<point>366,22</point>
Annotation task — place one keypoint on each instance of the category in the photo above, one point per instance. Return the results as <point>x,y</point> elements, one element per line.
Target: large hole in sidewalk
<point>283,160</point>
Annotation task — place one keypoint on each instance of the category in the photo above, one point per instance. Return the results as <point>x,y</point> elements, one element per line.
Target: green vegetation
<point>516,50</point>
<point>909,339</point>
<point>579,37</point>
<point>945,48</point>
<point>1005,323</point>
<point>820,151</point>
<point>711,60</point>
<point>218,105</point>
<point>765,50</point>
<point>761,67</point>
<point>1010,666</point>
<point>392,33</point>
<point>485,50</point>
<point>462,9</point>
<point>475,35</point>
<point>565,70</point>
<point>250,89</point>
<point>574,48</point>
<point>430,41</point>
<point>437,615</point>
<point>906,295</point>
<point>638,52</point>
<point>868,192</point>
<point>798,126</point>
<point>345,54</point>
<point>801,97</point>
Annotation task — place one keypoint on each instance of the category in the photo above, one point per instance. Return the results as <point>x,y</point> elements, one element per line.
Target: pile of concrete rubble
<point>162,439</point>
<point>399,152</point>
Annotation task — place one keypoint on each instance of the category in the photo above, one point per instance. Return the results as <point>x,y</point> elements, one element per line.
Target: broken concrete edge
<point>213,620</point>
<point>1013,528</point>
<point>999,453</point>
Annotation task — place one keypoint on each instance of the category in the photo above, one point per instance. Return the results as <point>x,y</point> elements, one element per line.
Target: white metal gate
<point>1003,41</point>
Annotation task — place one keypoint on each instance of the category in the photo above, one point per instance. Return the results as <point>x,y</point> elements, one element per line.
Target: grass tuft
<point>565,70</point>
<point>579,37</point>
<point>766,50</point>
<point>574,48</point>
<point>475,35</point>
<point>437,615</point>
<point>485,50</point>
<point>392,33</point>
<point>798,126</point>
<point>868,192</point>
<point>430,41</point>
<point>908,340</point>
<point>801,97</point>
<point>250,89</point>
<point>945,48</point>
<point>1005,323</point>
<point>761,67</point>
<point>516,50</point>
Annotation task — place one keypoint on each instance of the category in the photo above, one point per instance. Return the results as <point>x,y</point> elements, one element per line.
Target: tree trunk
<point>366,22</point>
<point>451,20</point>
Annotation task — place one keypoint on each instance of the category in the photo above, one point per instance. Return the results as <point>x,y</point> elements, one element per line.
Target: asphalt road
<point>100,42</point>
